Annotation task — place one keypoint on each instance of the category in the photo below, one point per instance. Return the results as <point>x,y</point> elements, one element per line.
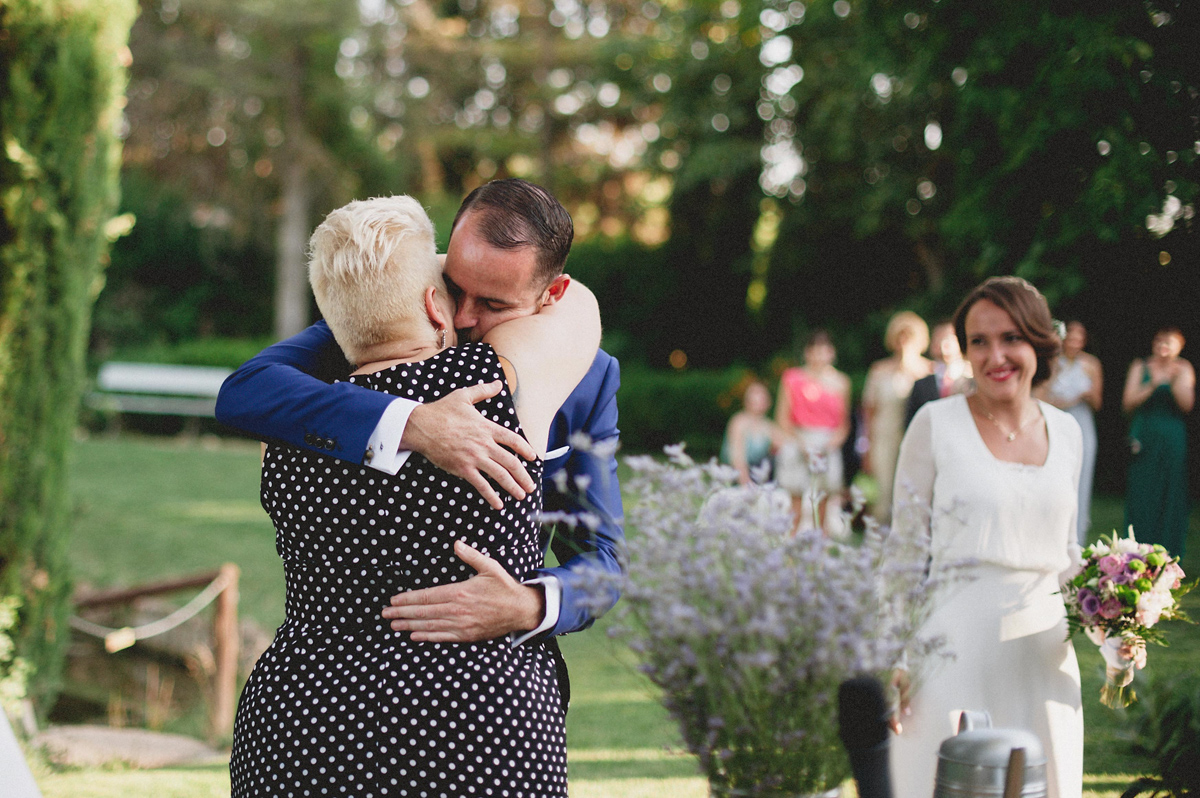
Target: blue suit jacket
<point>284,394</point>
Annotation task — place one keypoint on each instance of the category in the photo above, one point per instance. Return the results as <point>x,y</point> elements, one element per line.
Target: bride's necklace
<point>1010,436</point>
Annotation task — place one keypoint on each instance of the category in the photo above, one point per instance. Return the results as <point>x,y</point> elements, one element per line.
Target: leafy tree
<point>972,139</point>
<point>62,74</point>
<point>248,109</point>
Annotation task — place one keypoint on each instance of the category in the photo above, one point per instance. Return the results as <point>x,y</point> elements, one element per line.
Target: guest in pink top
<point>813,410</point>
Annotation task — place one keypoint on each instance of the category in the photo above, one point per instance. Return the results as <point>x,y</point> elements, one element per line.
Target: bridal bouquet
<point>1117,599</point>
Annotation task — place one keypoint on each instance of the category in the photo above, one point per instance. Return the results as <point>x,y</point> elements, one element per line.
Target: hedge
<point>62,75</point>
<point>658,407</point>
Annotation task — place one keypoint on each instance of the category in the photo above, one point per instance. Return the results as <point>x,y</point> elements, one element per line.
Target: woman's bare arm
<point>783,410</point>
<point>1095,395</point>
<point>1135,392</point>
<point>737,447</point>
<point>550,353</point>
<point>843,429</point>
<point>1183,386</point>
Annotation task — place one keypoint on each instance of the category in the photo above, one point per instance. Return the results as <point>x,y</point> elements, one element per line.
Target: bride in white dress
<point>998,473</point>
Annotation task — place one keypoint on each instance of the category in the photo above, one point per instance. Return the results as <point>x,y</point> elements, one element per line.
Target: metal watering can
<point>982,762</point>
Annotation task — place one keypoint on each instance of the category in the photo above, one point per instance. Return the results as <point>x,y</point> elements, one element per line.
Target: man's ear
<point>556,289</point>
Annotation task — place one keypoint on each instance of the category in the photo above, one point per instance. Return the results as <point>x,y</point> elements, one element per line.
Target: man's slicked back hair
<point>513,214</point>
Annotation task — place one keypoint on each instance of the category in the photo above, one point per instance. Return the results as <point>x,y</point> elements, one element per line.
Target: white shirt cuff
<point>383,447</point>
<point>552,588</point>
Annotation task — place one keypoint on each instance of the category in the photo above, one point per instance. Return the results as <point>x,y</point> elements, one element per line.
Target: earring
<point>442,341</point>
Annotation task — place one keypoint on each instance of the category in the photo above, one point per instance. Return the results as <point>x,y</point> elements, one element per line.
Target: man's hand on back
<point>456,438</point>
<point>488,605</point>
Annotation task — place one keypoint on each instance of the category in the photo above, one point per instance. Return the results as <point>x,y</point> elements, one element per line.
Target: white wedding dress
<point>1006,626</point>
<point>14,773</point>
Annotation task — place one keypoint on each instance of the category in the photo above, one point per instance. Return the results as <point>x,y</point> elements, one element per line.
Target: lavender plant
<point>749,630</point>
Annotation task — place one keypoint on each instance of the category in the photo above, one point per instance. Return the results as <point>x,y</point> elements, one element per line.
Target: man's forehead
<point>477,267</point>
<point>485,281</point>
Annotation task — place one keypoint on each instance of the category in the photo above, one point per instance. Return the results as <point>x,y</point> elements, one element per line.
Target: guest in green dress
<point>1159,391</point>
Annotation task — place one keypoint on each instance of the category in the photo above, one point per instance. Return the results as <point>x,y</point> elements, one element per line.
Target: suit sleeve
<point>282,394</point>
<point>590,567</point>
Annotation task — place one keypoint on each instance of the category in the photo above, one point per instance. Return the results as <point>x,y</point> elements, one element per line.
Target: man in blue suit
<point>508,246</point>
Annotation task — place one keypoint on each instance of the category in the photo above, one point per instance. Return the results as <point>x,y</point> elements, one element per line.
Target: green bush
<point>224,352</point>
<point>170,280</point>
<point>62,75</point>
<point>658,408</point>
<point>1172,721</point>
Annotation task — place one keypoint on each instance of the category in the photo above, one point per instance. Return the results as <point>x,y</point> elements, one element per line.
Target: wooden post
<point>227,643</point>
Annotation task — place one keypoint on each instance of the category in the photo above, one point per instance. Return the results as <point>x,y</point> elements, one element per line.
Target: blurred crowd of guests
<point>806,443</point>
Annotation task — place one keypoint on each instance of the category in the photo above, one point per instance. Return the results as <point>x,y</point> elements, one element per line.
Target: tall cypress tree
<point>62,79</point>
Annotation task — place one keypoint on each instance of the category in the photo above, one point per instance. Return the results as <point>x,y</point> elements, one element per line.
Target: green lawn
<point>150,508</point>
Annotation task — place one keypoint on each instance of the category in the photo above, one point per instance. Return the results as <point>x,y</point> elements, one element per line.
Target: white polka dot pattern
<point>340,704</point>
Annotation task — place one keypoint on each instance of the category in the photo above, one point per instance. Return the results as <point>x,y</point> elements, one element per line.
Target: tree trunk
<point>291,236</point>
<point>934,265</point>
<point>291,241</point>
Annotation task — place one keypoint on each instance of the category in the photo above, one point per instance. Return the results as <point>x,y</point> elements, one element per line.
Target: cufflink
<point>369,455</point>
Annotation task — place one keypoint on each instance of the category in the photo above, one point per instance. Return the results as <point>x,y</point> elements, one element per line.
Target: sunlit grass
<point>151,508</point>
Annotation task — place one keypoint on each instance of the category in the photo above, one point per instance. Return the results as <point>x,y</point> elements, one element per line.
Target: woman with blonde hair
<point>340,702</point>
<point>885,398</point>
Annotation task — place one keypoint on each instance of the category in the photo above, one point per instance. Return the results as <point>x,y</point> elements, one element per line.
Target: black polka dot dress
<point>340,704</point>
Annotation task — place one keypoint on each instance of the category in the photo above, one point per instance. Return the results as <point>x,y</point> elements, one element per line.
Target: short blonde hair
<point>369,264</point>
<point>906,321</point>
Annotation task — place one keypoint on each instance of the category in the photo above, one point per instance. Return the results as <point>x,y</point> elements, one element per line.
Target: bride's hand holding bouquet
<point>1123,589</point>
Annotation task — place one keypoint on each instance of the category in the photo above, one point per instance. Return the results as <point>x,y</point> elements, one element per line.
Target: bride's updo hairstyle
<point>1029,311</point>
<point>369,264</point>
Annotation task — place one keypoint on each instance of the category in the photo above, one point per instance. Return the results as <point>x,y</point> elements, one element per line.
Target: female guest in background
<point>993,478</point>
<point>813,412</point>
<point>751,437</point>
<point>889,384</point>
<point>1076,387</point>
<point>1159,391</point>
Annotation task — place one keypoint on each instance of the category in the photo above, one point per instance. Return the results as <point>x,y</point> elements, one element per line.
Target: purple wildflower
<point>737,620</point>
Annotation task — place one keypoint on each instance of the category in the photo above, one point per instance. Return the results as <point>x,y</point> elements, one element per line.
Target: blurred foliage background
<point>739,171</point>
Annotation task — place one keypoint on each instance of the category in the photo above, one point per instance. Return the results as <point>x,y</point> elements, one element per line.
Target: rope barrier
<point>117,639</point>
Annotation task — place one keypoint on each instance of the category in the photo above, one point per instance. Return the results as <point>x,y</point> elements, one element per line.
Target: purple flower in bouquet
<point>1089,602</point>
<point>1122,578</point>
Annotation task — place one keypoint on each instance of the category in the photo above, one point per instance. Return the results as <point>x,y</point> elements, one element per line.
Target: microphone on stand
<point>862,726</point>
